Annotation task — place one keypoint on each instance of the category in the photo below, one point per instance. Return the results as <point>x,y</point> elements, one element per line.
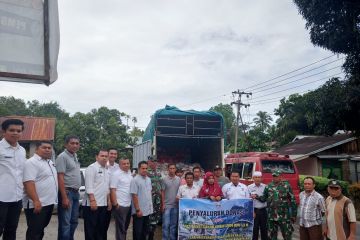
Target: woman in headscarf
<point>210,189</point>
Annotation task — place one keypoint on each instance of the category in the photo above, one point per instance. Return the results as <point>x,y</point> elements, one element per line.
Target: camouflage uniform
<point>281,207</point>
<point>155,175</point>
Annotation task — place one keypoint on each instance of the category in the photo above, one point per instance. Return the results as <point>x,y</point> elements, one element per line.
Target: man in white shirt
<point>12,159</point>
<point>189,190</point>
<point>111,165</point>
<point>120,195</point>
<point>257,189</point>
<point>41,190</point>
<point>97,201</point>
<point>235,189</point>
<point>198,181</point>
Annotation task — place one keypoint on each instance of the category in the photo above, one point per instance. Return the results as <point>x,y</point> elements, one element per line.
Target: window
<point>238,167</point>
<point>248,169</point>
<point>82,178</point>
<point>284,166</point>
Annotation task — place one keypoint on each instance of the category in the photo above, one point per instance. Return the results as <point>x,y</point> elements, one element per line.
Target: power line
<point>264,100</point>
<point>226,94</point>
<point>299,74</point>
<point>298,86</point>
<point>285,74</point>
<point>258,84</point>
<point>296,79</point>
<point>205,100</point>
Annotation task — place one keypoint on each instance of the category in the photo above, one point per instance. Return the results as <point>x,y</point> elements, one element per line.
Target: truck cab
<point>246,163</point>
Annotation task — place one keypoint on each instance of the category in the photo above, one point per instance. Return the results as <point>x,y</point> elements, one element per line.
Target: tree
<point>99,128</point>
<point>226,111</point>
<point>13,106</point>
<point>229,119</point>
<point>335,25</point>
<point>319,112</point>
<point>51,109</point>
<point>137,132</point>
<point>263,120</point>
<point>134,120</point>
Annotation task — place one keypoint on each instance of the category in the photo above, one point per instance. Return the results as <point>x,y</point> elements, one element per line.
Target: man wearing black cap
<point>219,177</point>
<point>340,214</point>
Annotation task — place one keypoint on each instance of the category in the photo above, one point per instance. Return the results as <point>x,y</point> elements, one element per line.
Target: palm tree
<point>262,120</point>
<point>134,120</point>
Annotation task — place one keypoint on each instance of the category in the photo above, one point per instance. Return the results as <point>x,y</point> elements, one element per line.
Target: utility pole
<point>239,104</point>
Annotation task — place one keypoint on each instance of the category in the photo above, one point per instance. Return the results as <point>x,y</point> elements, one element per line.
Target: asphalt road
<point>51,230</point>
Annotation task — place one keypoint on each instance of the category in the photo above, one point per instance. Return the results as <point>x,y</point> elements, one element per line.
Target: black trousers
<point>140,227</point>
<point>95,223</point>
<point>37,222</point>
<point>9,219</point>
<point>107,220</point>
<point>260,222</point>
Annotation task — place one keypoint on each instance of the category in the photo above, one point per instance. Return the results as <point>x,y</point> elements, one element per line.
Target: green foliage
<point>100,128</point>
<point>321,185</point>
<point>229,118</point>
<point>319,112</point>
<point>262,121</point>
<point>335,25</point>
<point>227,111</point>
<point>13,106</point>
<point>136,132</point>
<point>354,191</point>
<point>257,137</point>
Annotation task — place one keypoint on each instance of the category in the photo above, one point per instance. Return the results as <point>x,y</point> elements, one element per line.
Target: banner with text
<point>205,219</point>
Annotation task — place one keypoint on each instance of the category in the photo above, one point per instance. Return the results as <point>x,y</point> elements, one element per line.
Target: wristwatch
<point>137,210</point>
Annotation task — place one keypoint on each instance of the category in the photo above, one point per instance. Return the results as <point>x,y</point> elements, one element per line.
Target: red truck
<point>248,162</point>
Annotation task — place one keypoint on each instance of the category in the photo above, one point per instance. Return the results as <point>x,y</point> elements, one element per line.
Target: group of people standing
<point>38,184</point>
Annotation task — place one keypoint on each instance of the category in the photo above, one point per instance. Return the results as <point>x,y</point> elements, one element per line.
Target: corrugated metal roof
<point>36,128</point>
<point>312,145</point>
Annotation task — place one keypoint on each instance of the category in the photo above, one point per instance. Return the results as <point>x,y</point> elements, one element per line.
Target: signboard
<point>205,219</point>
<point>29,40</point>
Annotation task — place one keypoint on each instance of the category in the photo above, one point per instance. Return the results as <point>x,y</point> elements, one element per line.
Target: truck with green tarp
<point>183,137</point>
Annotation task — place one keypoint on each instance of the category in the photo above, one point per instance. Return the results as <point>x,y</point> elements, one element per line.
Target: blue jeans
<point>68,218</point>
<point>169,224</point>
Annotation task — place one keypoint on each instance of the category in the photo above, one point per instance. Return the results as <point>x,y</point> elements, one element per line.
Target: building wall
<point>32,149</point>
<point>308,166</point>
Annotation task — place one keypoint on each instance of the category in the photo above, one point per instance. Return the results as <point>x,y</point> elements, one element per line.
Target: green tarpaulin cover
<point>174,111</point>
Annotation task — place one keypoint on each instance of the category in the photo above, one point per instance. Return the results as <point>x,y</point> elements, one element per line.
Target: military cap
<point>276,173</point>
<point>334,183</point>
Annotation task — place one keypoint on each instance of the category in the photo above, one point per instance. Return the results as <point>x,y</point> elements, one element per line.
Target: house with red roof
<point>35,129</point>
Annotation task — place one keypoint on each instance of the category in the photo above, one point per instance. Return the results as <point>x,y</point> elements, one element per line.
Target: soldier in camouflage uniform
<point>281,207</point>
<point>154,173</point>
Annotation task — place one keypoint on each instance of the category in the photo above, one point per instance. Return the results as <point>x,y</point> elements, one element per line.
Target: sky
<point>139,55</point>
